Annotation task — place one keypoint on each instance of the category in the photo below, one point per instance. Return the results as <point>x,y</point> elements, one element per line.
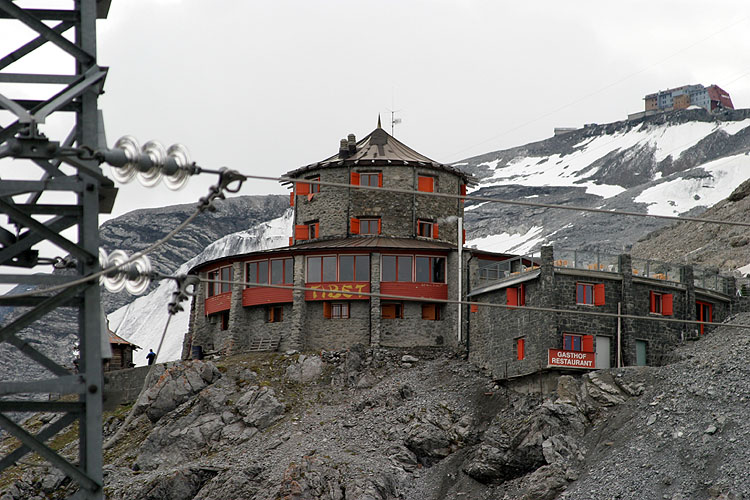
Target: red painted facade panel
<point>261,295</point>
<point>416,290</point>
<point>338,291</point>
<point>218,303</point>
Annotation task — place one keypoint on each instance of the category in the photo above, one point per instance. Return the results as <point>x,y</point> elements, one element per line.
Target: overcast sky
<point>266,87</point>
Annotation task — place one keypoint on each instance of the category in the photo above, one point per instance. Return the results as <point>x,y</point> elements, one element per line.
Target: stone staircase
<point>264,343</point>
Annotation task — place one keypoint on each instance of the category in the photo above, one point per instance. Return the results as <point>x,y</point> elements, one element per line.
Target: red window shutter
<point>380,225</point>
<point>380,179</point>
<point>291,241</point>
<point>521,348</point>
<point>303,188</point>
<point>317,231</point>
<point>388,311</point>
<point>599,295</point>
<point>435,231</point>
<point>327,310</point>
<point>521,295</point>
<point>354,225</point>
<point>511,296</point>
<point>462,192</point>
<point>429,311</point>
<point>463,236</point>
<point>652,301</point>
<point>301,232</point>
<point>587,343</point>
<point>666,304</point>
<point>474,308</point>
<point>291,199</point>
<point>354,179</point>
<point>425,184</point>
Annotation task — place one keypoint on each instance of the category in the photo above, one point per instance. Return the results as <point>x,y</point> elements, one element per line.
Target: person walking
<point>151,356</point>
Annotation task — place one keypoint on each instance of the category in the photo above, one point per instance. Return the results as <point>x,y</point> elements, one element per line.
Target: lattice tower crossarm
<point>44,169</point>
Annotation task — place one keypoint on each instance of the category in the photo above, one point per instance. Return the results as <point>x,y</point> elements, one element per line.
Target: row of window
<point>425,183</point>
<point>331,269</point>
<point>340,310</point>
<point>364,226</point>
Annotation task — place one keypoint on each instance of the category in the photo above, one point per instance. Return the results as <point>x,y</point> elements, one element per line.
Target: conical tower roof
<point>378,148</point>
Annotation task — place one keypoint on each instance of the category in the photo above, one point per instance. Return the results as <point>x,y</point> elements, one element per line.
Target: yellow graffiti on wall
<point>332,291</point>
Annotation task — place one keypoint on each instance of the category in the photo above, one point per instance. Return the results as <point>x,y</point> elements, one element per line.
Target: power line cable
<point>489,199</point>
<point>467,303</point>
<point>601,89</point>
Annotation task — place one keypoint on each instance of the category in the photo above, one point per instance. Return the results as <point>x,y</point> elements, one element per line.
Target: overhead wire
<point>503,201</point>
<point>466,303</point>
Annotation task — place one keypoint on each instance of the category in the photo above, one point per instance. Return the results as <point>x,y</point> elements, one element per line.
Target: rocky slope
<point>707,245</point>
<point>674,163</point>
<point>385,424</point>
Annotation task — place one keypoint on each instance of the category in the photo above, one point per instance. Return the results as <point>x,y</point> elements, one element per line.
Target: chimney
<point>343,148</point>
<point>352,144</point>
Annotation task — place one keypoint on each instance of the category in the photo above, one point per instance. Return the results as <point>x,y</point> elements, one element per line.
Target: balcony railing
<point>710,280</point>
<point>654,269</point>
<point>501,270</point>
<point>582,259</point>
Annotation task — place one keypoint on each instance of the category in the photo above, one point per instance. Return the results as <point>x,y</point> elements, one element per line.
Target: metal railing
<point>710,280</point>
<point>496,271</point>
<point>654,269</point>
<point>584,259</point>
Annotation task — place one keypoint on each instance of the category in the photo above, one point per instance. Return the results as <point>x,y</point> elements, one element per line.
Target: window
<point>215,288</point>
<point>430,269</point>
<point>392,310</point>
<point>332,268</point>
<point>427,228</point>
<point>426,183</point>
<point>369,226</point>
<point>336,310</point>
<point>281,271</point>
<point>576,342</point>
<point>520,348</point>
<point>224,320</point>
<point>703,312</point>
<point>431,312</point>
<point>314,188</point>
<point>661,303</point>
<point>371,179</point>
<point>354,268</point>
<point>590,294</point>
<point>313,229</point>
<point>515,295</point>
<point>275,314</point>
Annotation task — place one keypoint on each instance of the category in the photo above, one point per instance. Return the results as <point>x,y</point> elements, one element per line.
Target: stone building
<point>352,238</point>
<point>531,343</point>
<point>346,241</point>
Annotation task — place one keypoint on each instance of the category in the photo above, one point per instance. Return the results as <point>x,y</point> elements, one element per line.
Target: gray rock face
<point>634,168</point>
<point>307,369</point>
<point>55,334</point>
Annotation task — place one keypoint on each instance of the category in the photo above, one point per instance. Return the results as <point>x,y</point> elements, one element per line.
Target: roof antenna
<point>394,120</point>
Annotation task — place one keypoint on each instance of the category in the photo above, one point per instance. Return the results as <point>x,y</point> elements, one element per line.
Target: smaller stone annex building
<point>346,241</point>
<point>355,238</point>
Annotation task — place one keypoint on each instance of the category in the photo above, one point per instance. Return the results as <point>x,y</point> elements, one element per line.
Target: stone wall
<point>333,207</point>
<point>333,333</point>
<point>494,330</point>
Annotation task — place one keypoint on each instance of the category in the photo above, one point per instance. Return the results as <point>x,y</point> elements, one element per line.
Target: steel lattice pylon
<point>46,166</point>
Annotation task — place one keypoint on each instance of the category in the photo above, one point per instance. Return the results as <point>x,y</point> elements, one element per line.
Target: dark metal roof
<point>375,242</point>
<point>116,339</point>
<point>338,243</point>
<point>379,148</point>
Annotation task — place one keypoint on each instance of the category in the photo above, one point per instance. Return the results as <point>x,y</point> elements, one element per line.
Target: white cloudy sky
<point>265,87</point>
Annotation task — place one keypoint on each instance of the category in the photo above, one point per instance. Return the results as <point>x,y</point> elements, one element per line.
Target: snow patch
<point>677,196</point>
<point>142,321</point>
<point>509,243</point>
